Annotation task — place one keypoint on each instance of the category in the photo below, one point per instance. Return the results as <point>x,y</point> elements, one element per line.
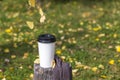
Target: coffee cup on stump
<point>46,48</point>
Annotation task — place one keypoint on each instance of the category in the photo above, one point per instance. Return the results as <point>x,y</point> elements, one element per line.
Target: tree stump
<point>42,73</point>
<point>61,71</point>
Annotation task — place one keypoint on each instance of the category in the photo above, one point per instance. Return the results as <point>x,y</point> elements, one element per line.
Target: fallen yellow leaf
<point>4,78</point>
<point>97,28</point>
<point>13,56</point>
<point>58,52</point>
<point>37,61</point>
<point>41,12</point>
<point>42,19</point>
<point>30,24</point>
<point>119,60</point>
<point>115,35</point>
<point>31,3</point>
<point>74,71</point>
<point>118,48</point>
<point>63,47</point>
<point>111,62</point>
<point>8,30</point>
<point>25,55</point>
<point>31,75</point>
<point>94,69</point>
<point>103,76</point>
<point>101,66</point>
<point>6,50</point>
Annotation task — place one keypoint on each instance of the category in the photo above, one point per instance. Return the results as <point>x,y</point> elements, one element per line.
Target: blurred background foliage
<point>87,33</point>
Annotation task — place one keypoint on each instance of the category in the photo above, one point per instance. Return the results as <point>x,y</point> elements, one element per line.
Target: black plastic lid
<point>46,38</point>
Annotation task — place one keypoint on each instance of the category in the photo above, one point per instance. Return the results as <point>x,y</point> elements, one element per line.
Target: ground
<point>87,33</point>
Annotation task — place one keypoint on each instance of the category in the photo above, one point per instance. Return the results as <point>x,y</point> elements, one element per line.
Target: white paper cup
<point>46,48</point>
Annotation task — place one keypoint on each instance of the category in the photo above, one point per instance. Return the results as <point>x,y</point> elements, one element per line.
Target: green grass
<point>75,24</point>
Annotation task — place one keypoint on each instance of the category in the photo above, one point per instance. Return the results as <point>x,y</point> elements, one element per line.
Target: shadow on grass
<point>85,2</point>
<point>21,48</point>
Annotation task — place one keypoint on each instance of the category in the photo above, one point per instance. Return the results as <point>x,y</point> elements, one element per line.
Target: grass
<point>87,33</point>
